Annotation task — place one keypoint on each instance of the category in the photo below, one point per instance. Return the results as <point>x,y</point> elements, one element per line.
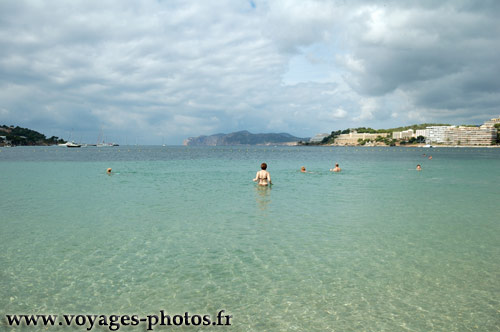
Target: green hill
<point>24,136</point>
<point>331,138</point>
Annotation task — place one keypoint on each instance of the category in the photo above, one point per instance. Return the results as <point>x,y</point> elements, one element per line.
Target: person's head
<point>108,170</point>
<point>303,169</point>
<point>336,165</point>
<point>263,166</point>
<point>419,167</point>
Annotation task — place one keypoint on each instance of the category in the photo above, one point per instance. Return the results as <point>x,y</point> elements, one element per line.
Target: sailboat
<point>104,144</point>
<point>73,145</point>
<point>70,143</point>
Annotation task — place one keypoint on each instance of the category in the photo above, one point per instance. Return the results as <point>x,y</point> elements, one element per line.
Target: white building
<point>483,135</point>
<point>405,134</point>
<point>353,137</point>
<point>422,132</point>
<point>437,134</point>
<point>318,138</point>
<point>397,135</point>
<point>463,135</point>
<point>492,122</point>
<point>408,133</point>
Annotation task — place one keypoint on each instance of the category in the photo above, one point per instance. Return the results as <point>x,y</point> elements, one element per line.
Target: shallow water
<point>377,247</point>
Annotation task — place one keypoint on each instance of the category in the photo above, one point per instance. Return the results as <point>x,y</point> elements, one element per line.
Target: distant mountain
<point>244,138</point>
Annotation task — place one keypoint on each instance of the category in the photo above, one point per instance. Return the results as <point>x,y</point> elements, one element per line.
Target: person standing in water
<point>263,177</point>
<point>336,169</point>
<point>419,168</point>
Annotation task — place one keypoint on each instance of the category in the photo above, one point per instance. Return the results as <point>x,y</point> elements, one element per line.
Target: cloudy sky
<point>156,71</point>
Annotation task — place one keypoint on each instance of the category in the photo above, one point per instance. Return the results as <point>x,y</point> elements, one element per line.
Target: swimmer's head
<point>336,165</point>
<point>303,169</point>
<point>108,170</point>
<point>263,166</point>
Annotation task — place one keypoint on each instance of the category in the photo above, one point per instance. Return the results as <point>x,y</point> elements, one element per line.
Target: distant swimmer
<point>303,169</point>
<point>336,169</point>
<point>263,176</point>
<point>430,157</point>
<point>108,171</point>
<point>419,168</point>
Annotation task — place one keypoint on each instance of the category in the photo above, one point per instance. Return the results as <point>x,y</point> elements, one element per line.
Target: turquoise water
<point>377,247</point>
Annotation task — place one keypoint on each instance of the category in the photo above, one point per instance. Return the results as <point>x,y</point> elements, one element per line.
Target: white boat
<point>73,145</point>
<point>70,145</point>
<point>427,146</point>
<point>101,143</point>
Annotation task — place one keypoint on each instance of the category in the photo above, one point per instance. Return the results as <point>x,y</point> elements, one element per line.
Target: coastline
<point>414,146</point>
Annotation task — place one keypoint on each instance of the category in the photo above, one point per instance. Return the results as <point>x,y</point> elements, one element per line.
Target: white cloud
<point>339,113</point>
<point>368,107</point>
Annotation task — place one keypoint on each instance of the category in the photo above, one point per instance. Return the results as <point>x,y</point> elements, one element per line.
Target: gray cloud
<point>443,56</point>
<point>174,69</point>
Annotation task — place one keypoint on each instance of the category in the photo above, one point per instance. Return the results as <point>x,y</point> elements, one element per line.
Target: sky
<point>159,71</point>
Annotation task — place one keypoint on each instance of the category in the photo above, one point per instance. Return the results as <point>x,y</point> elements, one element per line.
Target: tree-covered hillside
<point>334,134</point>
<point>24,136</point>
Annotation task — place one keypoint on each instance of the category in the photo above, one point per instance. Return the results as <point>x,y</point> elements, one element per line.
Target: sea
<point>180,229</point>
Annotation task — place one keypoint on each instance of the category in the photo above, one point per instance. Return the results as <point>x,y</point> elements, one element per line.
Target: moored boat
<point>73,145</point>
<point>70,145</point>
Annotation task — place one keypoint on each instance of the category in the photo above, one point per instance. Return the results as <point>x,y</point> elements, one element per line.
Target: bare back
<point>263,177</point>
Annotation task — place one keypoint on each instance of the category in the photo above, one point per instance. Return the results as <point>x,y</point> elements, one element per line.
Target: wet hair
<point>336,165</point>
<point>263,166</point>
